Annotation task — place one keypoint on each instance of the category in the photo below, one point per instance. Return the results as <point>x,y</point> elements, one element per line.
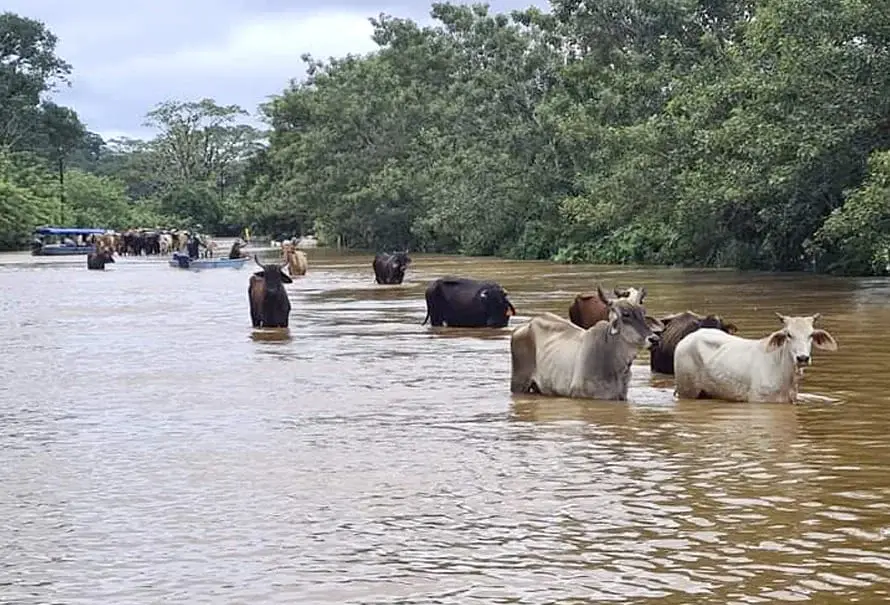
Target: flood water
<point>152,451</point>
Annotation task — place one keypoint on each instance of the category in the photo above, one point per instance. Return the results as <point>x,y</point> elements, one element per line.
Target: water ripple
<point>151,451</point>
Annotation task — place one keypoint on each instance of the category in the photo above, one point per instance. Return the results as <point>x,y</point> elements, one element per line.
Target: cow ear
<point>260,274</point>
<point>614,321</point>
<point>730,328</point>
<point>669,318</point>
<point>654,324</point>
<point>285,278</point>
<point>823,340</point>
<point>776,340</point>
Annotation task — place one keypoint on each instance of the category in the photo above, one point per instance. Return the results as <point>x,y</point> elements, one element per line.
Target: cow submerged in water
<point>553,356</point>
<point>97,260</point>
<point>677,327</point>
<point>460,302</point>
<point>711,364</point>
<point>390,268</point>
<point>269,303</point>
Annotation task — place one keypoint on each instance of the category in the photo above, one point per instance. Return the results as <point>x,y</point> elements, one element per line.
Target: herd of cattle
<point>150,242</point>
<point>591,354</point>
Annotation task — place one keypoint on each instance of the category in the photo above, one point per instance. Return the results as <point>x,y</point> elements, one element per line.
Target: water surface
<point>152,451</point>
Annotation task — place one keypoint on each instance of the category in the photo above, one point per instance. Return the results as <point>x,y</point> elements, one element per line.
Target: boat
<point>63,241</point>
<point>182,261</point>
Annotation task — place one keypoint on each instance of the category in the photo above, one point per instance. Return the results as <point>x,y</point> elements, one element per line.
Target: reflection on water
<point>154,447</point>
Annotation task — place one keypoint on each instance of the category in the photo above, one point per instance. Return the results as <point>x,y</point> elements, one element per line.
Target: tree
<point>200,140</point>
<point>28,198</point>
<point>29,67</point>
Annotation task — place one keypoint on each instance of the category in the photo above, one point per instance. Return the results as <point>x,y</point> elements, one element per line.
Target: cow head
<point>273,275</point>
<point>400,260</point>
<point>629,320</point>
<point>632,294</point>
<point>107,254</point>
<point>498,307</point>
<point>797,336</point>
<point>715,321</point>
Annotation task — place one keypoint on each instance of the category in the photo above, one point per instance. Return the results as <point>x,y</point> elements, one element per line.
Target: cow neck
<point>789,372</point>
<point>600,359</point>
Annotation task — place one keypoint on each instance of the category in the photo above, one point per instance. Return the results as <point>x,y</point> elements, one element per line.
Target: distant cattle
<point>587,308</point>
<point>552,356</point>
<point>710,363</point>
<point>165,243</point>
<point>390,268</point>
<point>97,260</point>
<point>460,302</point>
<point>269,303</point>
<point>676,327</point>
<point>296,261</point>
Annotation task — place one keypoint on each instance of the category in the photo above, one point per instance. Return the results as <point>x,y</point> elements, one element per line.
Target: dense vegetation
<point>55,171</point>
<point>742,133</point>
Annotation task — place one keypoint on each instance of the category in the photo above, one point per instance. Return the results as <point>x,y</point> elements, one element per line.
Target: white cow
<point>165,242</point>
<point>710,363</point>
<point>553,356</point>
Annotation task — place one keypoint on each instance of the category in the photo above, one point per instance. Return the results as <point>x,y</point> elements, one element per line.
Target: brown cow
<point>269,304</point>
<point>97,260</point>
<point>587,308</point>
<point>677,327</point>
<point>296,261</point>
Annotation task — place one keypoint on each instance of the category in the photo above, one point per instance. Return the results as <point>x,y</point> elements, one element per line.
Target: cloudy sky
<point>128,55</point>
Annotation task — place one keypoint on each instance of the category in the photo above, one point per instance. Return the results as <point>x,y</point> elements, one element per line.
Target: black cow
<point>390,268</point>
<point>676,327</point>
<point>97,260</point>
<point>269,304</point>
<point>467,303</point>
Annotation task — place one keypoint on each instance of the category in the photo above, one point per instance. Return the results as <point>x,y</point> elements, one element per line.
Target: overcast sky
<point>127,55</point>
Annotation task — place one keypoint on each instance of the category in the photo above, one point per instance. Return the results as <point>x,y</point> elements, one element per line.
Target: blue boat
<point>182,261</point>
<point>62,241</point>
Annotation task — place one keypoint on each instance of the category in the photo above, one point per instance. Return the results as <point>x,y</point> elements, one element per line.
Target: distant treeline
<point>746,134</point>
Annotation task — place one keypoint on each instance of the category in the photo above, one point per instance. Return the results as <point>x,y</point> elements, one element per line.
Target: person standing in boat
<point>194,242</point>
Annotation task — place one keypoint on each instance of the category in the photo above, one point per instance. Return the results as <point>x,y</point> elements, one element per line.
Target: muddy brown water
<point>153,451</point>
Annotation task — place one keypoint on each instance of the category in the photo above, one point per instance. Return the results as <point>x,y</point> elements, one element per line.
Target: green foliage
<point>195,202</point>
<point>723,133</point>
<point>101,201</point>
<point>645,132</point>
<point>29,67</point>
<point>856,237</point>
<point>190,174</point>
<point>28,197</point>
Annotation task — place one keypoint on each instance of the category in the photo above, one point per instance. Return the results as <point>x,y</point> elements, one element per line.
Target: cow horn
<point>780,316</point>
<point>602,295</point>
<point>816,316</point>
<point>257,261</point>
